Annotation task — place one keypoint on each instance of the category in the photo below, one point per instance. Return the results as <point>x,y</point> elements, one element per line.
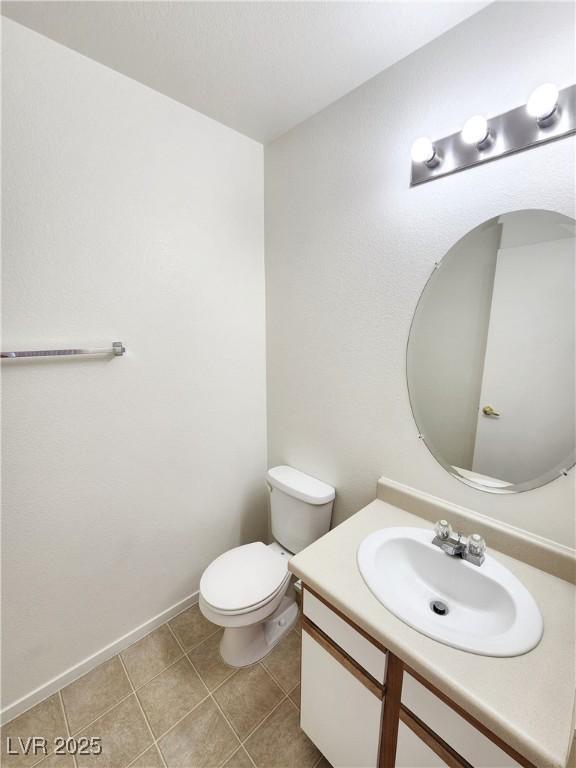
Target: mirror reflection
<point>491,353</point>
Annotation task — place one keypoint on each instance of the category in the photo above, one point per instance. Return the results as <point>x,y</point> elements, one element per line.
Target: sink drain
<point>439,608</point>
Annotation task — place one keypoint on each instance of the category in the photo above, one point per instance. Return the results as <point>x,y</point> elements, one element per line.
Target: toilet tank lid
<point>299,485</point>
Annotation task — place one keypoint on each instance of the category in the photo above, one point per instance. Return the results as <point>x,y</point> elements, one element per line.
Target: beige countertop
<point>528,700</point>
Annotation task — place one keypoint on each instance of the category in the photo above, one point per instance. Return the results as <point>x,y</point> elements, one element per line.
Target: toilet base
<point>242,646</point>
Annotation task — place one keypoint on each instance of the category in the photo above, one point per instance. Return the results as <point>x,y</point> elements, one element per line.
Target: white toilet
<point>248,589</point>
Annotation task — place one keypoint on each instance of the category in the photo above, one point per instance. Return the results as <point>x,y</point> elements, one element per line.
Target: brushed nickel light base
<point>510,132</point>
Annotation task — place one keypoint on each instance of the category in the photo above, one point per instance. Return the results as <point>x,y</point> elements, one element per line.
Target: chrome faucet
<point>471,548</point>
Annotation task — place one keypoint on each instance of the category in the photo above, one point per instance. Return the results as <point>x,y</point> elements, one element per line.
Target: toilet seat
<point>244,579</point>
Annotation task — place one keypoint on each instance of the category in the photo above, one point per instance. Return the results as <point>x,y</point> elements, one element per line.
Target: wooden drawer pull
<point>342,658</point>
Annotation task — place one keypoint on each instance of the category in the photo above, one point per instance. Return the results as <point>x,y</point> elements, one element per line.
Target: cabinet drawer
<point>364,652</point>
<point>412,752</point>
<point>338,712</point>
<point>461,735</point>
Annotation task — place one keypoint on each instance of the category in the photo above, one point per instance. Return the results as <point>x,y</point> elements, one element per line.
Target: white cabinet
<point>412,752</point>
<point>469,742</point>
<point>339,713</point>
<point>365,652</point>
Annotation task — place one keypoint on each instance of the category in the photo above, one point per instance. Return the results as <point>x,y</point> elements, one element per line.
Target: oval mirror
<point>491,353</point>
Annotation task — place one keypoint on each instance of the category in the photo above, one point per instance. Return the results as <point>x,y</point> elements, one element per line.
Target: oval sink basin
<point>482,609</point>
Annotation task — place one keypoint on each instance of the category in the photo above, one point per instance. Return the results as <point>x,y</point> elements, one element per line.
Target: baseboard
<point>73,673</point>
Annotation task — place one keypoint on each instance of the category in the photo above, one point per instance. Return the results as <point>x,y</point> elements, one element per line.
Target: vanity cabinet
<point>363,708</point>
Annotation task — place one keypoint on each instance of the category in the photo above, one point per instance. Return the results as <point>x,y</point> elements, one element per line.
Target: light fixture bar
<point>510,132</point>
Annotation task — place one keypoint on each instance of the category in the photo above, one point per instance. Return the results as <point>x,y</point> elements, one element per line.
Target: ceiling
<point>258,67</point>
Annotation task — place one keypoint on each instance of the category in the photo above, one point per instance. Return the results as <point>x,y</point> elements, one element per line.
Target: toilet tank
<point>300,507</point>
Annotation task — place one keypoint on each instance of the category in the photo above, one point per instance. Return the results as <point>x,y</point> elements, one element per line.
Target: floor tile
<point>150,759</point>
<point>284,661</point>
<point>208,662</point>
<point>91,695</point>
<point>45,719</point>
<point>279,742</point>
<point>151,655</point>
<point>191,627</point>
<point>239,759</point>
<point>247,697</point>
<point>295,696</point>
<point>57,761</point>
<point>172,694</point>
<point>202,740</point>
<point>123,733</point>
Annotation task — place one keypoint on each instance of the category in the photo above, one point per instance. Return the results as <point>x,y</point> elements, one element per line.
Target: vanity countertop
<point>528,700</point>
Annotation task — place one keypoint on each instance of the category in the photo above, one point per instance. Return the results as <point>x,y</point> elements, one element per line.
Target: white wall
<point>349,246</point>
<point>128,217</point>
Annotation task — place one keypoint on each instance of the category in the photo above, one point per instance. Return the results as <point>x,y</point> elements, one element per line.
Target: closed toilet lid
<point>243,577</point>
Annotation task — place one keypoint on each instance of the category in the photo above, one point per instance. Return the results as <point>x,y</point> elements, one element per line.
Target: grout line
<point>293,704</point>
<point>139,755</point>
<point>68,731</point>
<point>143,685</point>
<point>102,714</point>
<point>142,711</point>
<point>61,700</point>
<point>243,748</point>
<point>274,679</point>
<point>233,671</point>
<point>163,734</point>
<point>68,734</point>
<point>133,690</point>
<point>219,708</point>
<point>193,647</point>
<point>294,688</point>
<point>223,681</point>
<point>210,696</point>
<point>261,723</point>
<point>175,636</point>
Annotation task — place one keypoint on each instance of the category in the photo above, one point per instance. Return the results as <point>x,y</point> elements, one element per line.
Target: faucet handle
<point>443,530</point>
<point>476,545</point>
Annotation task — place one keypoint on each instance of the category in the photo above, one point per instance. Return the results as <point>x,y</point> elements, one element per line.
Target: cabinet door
<point>412,752</point>
<point>338,712</point>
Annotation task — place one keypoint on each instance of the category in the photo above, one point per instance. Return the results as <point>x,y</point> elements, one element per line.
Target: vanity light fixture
<point>476,132</point>
<point>423,151</point>
<point>543,104</point>
<point>549,114</point>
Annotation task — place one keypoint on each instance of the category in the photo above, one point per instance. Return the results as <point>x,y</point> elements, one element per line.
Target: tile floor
<point>169,701</point>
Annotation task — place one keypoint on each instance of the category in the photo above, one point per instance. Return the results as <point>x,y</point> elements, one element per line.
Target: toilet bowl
<point>248,590</point>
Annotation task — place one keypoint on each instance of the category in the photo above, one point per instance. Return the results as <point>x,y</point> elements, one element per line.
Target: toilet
<point>248,589</point>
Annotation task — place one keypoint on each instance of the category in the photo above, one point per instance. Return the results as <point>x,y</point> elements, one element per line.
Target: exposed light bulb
<point>543,102</point>
<point>423,151</point>
<point>475,131</point>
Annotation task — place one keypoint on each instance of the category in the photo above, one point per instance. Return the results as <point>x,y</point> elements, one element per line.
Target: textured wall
<point>349,246</point>
<point>127,216</point>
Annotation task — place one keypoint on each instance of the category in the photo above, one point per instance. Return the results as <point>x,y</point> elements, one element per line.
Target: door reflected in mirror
<point>491,353</point>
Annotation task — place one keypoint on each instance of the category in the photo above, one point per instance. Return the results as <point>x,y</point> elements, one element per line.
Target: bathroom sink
<point>481,609</point>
